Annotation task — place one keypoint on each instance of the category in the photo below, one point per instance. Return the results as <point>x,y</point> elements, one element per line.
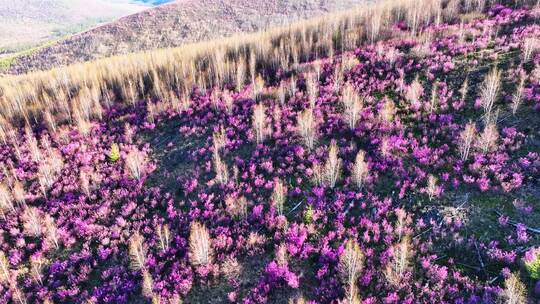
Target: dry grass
<point>78,93</point>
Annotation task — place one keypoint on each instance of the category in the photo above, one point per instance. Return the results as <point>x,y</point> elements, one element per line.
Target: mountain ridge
<point>174,24</point>
<point>29,23</point>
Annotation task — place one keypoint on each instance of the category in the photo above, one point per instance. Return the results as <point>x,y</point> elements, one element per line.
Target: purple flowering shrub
<point>70,209</point>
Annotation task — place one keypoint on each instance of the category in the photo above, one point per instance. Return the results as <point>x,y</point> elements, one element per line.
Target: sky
<point>152,2</point>
<point>148,2</point>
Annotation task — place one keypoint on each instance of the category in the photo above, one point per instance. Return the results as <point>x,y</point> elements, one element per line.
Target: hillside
<point>174,24</point>
<point>29,23</point>
<point>386,155</point>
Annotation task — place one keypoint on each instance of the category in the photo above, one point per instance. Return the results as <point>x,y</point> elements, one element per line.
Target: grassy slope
<point>172,25</point>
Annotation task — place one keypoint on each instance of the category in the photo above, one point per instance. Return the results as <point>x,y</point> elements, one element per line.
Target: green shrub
<point>532,263</point>
<point>308,215</point>
<point>114,153</point>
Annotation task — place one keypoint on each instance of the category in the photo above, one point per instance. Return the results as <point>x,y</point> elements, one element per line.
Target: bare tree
<point>164,236</point>
<point>466,140</point>
<point>517,98</point>
<point>488,138</point>
<point>221,169</point>
<point>531,45</point>
<point>279,196</point>
<point>360,169</point>
<point>200,249</point>
<point>332,166</point>
<point>259,123</point>
<point>32,222</point>
<point>135,163</point>
<point>490,92</point>
<point>307,127</point>
<point>351,264</point>
<point>514,291</point>
<point>5,275</point>
<point>352,106</point>
<point>400,262</point>
<point>6,200</point>
<point>137,252</point>
<point>52,231</point>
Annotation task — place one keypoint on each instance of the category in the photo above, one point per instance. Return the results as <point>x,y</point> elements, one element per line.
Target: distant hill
<point>28,23</point>
<point>153,2</point>
<point>172,25</point>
